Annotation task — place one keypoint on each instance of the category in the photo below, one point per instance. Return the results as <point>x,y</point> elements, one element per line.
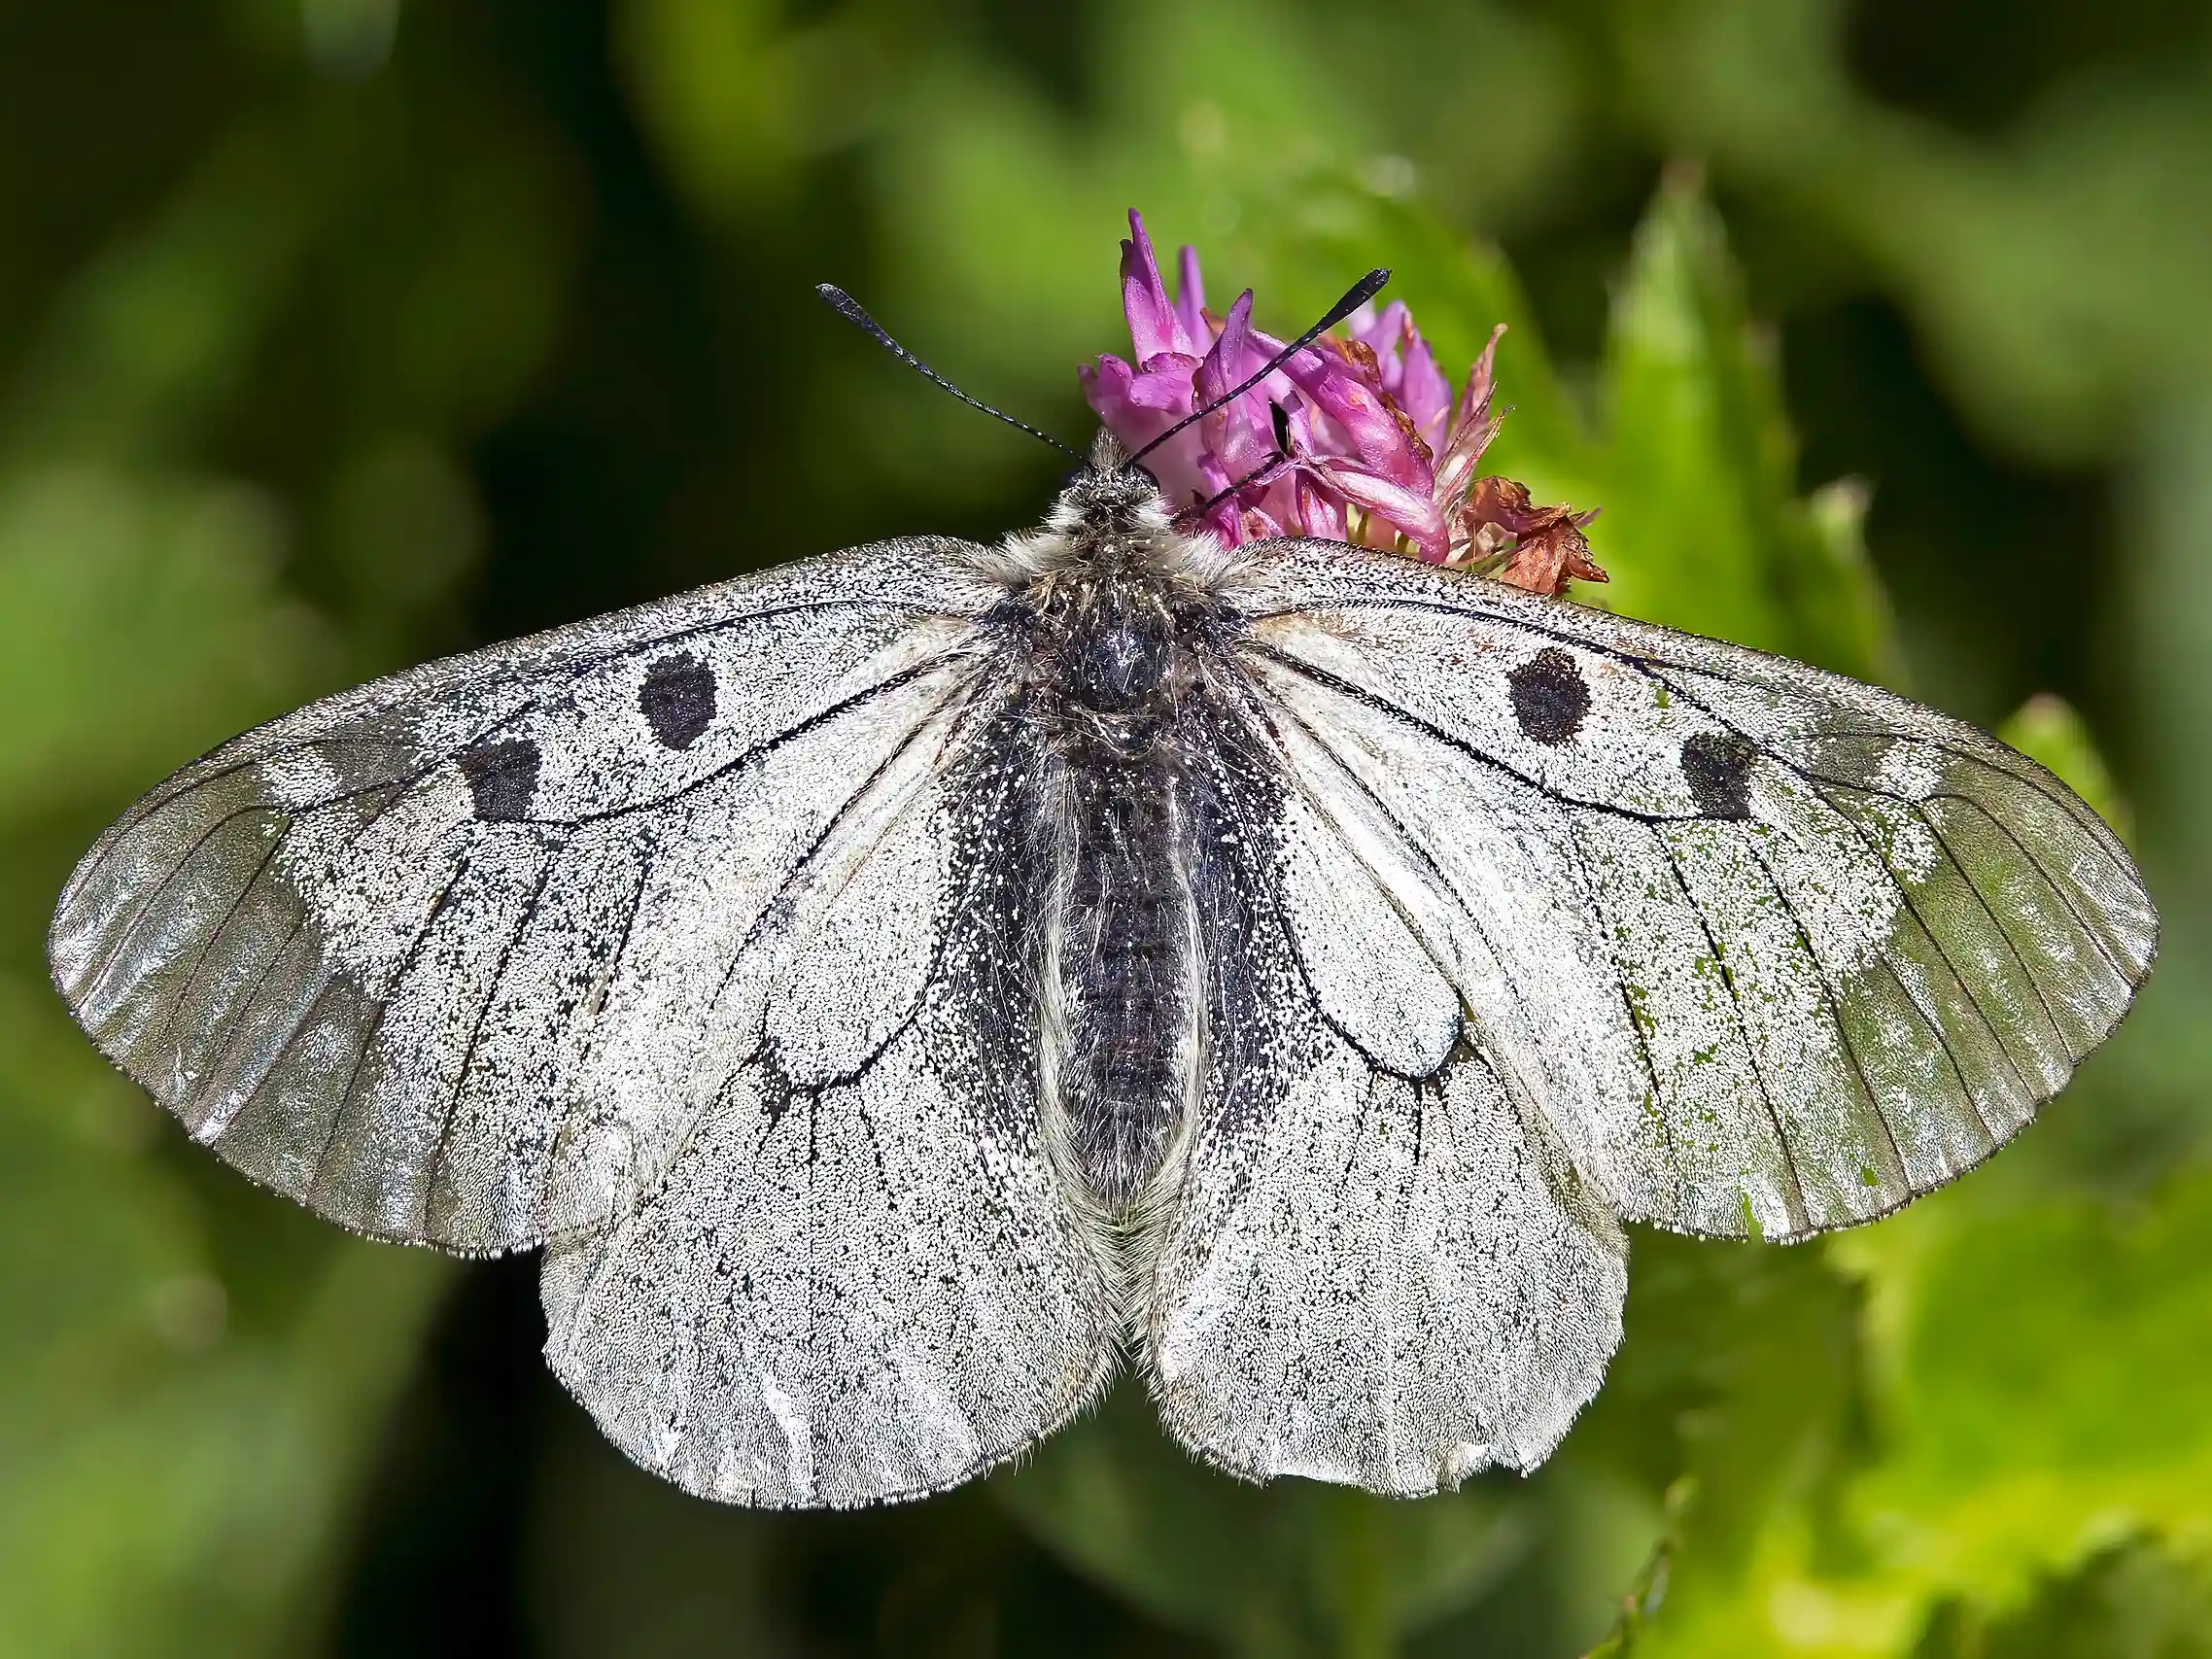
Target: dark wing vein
<point>1801,1214</point>
<point>1834,1012</point>
<point>2036,864</point>
<point>1412,844</point>
<point>375,1024</point>
<point>528,913</point>
<point>768,746</point>
<point>1593,888</point>
<point>1943,951</point>
<point>1405,717</point>
<point>1661,672</point>
<point>229,914</point>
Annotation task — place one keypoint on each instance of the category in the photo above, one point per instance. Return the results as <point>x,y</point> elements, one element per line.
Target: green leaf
<point>1641,1601</point>
<point>2048,728</point>
<point>2034,1380</point>
<point>1293,1567</point>
<point>2131,1600</point>
<point>1704,528</point>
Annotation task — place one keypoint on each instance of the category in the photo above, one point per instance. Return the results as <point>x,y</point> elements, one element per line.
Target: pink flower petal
<point>1383,335</point>
<point>1409,511</point>
<point>1423,392</point>
<point>1320,510</point>
<point>1152,327</point>
<point>1472,427</point>
<point>1191,302</point>
<point>1370,430</point>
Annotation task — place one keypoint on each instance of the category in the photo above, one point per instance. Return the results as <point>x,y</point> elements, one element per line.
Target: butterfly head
<point>1109,496</point>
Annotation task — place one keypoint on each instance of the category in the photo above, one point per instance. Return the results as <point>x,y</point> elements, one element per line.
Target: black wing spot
<point>503,777</point>
<point>1717,767</point>
<point>1550,697</point>
<point>677,699</point>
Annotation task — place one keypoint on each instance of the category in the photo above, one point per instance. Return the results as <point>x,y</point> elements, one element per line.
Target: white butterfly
<point>894,986</point>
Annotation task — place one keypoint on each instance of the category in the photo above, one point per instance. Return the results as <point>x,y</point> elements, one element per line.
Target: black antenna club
<point>1355,296</point>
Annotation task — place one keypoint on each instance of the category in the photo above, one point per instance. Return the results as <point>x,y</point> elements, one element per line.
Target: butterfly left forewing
<point>425,955</point>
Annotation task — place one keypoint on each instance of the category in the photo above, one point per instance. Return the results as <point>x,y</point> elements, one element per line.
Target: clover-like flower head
<point>1358,437</point>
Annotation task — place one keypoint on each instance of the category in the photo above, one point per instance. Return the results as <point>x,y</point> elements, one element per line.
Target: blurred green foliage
<point>335,333</point>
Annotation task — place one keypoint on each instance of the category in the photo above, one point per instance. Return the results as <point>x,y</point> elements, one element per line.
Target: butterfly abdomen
<point>1121,967</point>
<point>1125,970</point>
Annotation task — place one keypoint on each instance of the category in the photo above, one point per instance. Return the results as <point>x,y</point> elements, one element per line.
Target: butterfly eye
<point>1147,473</point>
<point>1074,476</point>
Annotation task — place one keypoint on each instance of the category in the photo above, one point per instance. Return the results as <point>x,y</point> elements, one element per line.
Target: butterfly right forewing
<point>1773,950</point>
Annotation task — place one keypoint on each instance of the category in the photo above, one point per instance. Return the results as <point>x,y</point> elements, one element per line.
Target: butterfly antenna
<point>849,308</point>
<point>1355,296</point>
<point>1281,458</point>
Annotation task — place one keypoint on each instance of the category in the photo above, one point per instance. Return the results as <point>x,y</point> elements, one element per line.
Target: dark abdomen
<point>1124,968</point>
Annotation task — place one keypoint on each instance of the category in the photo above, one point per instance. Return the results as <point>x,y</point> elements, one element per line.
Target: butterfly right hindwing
<point>1371,1262</point>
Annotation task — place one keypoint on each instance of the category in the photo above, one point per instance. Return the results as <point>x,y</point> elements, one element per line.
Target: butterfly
<point>898,988</point>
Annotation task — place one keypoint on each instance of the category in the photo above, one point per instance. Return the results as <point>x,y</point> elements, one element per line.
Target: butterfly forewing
<point>1771,950</point>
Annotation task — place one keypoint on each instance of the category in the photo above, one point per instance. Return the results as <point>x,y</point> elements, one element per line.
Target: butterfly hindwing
<point>1371,1262</point>
<point>1772,950</point>
<point>857,1279</point>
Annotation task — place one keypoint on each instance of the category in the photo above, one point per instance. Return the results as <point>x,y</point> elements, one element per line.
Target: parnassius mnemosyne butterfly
<point>896,988</point>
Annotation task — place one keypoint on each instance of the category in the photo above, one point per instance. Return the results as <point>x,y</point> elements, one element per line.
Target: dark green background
<point>337,333</point>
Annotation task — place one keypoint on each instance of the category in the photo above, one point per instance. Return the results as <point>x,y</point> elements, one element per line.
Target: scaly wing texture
<point>507,950</point>
<point>858,1279</point>
<point>1518,917</point>
<point>1769,950</point>
<point>1371,1262</point>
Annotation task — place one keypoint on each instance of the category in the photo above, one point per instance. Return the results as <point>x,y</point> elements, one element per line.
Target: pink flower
<point>1357,439</point>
